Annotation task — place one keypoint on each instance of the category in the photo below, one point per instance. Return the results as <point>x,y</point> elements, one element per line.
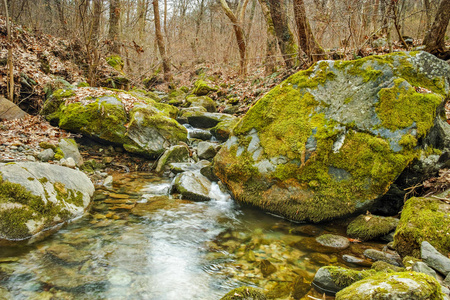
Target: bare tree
<point>160,41</point>
<point>10,55</point>
<point>114,18</point>
<point>306,39</point>
<point>271,48</point>
<point>238,30</point>
<point>435,38</point>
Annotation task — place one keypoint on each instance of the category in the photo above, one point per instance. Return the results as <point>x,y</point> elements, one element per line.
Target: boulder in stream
<point>366,227</point>
<point>37,197</point>
<point>192,186</point>
<point>329,141</point>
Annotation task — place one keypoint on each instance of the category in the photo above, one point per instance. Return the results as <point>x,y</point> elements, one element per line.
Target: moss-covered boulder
<point>331,280</point>
<point>368,226</point>
<point>175,154</point>
<point>150,132</point>
<point>423,219</point>
<point>201,88</point>
<point>132,119</point>
<point>402,285</point>
<point>222,130</point>
<point>203,101</point>
<point>36,197</point>
<point>329,141</point>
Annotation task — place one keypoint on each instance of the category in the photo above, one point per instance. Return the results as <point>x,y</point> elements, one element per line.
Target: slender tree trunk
<point>434,40</point>
<point>160,42</point>
<point>10,55</point>
<point>198,21</point>
<point>114,18</point>
<point>427,5</point>
<point>239,32</point>
<point>306,39</point>
<point>250,22</point>
<point>96,22</point>
<point>284,35</point>
<point>62,18</point>
<point>271,49</point>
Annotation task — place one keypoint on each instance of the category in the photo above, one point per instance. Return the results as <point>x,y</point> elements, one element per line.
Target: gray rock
<point>192,186</point>
<point>69,162</point>
<point>208,172</point>
<point>447,281</point>
<point>60,194</point>
<point>206,150</point>
<point>333,241</point>
<point>200,119</point>
<point>108,181</point>
<point>390,258</point>
<point>331,280</point>
<point>393,286</point>
<point>175,154</point>
<point>9,110</point>
<point>422,267</point>
<point>434,258</point>
<point>70,149</point>
<point>46,155</point>
<point>201,134</point>
<point>356,260</point>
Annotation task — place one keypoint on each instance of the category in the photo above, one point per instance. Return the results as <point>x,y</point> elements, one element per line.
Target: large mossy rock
<point>150,132</point>
<point>394,286</point>
<point>423,219</point>
<point>329,141</point>
<point>36,197</point>
<point>132,119</point>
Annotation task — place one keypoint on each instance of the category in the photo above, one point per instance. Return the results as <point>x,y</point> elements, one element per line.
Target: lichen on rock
<point>329,141</point>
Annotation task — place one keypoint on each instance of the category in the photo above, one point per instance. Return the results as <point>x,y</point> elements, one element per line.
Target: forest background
<point>174,41</point>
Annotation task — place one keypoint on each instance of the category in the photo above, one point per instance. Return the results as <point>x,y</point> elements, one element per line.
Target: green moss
<point>245,292</point>
<point>53,104</point>
<point>83,84</point>
<point>386,285</point>
<point>116,62</point>
<point>98,119</point>
<point>381,266</point>
<point>59,154</point>
<point>422,219</point>
<point>201,88</point>
<point>408,141</point>
<point>367,227</point>
<point>345,277</point>
<point>401,106</point>
<point>47,145</point>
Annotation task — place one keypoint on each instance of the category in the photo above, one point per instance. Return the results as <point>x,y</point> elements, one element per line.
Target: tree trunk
<point>114,18</point>
<point>239,32</point>
<point>427,5</point>
<point>62,18</point>
<point>306,39</point>
<point>435,38</point>
<point>10,55</point>
<point>271,49</point>
<point>284,35</point>
<point>160,42</point>
<point>96,22</point>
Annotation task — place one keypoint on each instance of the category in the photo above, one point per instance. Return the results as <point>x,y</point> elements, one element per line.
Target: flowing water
<point>139,243</point>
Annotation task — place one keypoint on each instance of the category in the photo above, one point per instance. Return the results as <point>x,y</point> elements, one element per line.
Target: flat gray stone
<point>422,267</point>
<point>434,258</point>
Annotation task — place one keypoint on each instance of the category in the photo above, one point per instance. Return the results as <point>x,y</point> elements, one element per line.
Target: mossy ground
<point>422,219</point>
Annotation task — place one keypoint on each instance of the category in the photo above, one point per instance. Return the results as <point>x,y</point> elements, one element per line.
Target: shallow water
<point>165,248</point>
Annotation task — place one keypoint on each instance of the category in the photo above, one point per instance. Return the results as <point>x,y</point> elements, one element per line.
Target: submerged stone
<point>330,141</point>
<point>333,241</point>
<point>244,293</point>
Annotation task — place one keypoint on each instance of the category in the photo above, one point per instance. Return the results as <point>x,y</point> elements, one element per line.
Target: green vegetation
<point>367,227</point>
<point>116,62</point>
<point>422,219</point>
<point>245,292</point>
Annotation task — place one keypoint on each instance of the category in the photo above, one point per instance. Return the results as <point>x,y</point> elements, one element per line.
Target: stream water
<point>139,243</point>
